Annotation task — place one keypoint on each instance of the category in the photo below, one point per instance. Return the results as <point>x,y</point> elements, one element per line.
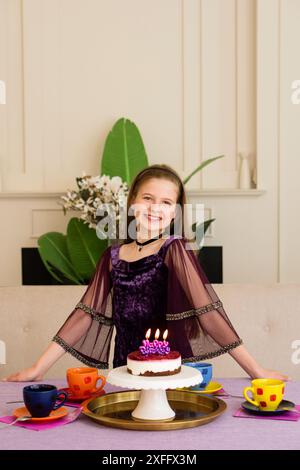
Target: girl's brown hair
<point>158,171</point>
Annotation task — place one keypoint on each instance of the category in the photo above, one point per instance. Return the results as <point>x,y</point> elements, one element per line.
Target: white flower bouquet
<point>94,193</point>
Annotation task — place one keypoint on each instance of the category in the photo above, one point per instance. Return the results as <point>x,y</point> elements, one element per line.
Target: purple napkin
<point>36,426</point>
<point>287,416</point>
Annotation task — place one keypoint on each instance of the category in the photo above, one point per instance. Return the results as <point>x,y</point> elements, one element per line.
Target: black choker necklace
<point>148,241</point>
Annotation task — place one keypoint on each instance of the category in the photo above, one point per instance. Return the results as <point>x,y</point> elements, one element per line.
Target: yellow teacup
<point>267,393</point>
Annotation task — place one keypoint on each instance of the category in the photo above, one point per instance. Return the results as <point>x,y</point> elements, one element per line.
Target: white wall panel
<point>289,144</point>
<point>198,77</point>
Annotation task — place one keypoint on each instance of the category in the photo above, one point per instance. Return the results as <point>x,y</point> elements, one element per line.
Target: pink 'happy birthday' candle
<point>146,345</point>
<point>156,347</point>
<point>165,335</point>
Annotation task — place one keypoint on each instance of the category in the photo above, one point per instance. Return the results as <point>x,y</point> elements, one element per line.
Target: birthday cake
<point>154,358</point>
<point>154,364</point>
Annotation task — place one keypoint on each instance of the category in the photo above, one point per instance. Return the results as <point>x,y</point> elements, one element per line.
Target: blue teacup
<point>40,399</point>
<point>206,371</point>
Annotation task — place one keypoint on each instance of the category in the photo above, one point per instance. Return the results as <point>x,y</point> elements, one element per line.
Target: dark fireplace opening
<point>211,260</point>
<point>35,273</point>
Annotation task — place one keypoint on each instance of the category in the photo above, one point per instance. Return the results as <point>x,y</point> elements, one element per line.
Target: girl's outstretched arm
<point>197,320</point>
<point>87,331</point>
<point>36,372</point>
<point>249,364</point>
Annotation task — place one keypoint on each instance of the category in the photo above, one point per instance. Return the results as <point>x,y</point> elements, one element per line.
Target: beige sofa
<point>267,317</point>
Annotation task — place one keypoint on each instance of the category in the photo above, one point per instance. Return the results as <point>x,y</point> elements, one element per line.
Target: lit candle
<point>156,347</point>
<point>165,335</point>
<point>146,345</point>
<point>164,344</point>
<point>148,334</point>
<point>156,342</point>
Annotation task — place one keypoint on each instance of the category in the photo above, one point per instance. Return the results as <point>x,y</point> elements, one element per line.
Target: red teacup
<point>83,380</point>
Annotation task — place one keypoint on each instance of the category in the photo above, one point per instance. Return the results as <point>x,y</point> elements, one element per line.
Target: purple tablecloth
<point>226,432</point>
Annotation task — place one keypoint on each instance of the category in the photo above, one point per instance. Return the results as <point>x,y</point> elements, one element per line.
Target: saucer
<point>55,414</point>
<point>73,398</point>
<point>255,410</point>
<point>212,387</point>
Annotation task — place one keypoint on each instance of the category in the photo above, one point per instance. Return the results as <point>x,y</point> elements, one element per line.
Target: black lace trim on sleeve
<point>99,317</point>
<point>81,357</point>
<point>222,350</point>
<point>194,311</point>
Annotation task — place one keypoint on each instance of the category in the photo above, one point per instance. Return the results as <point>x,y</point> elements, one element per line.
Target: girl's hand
<point>271,374</point>
<point>36,372</point>
<point>27,375</point>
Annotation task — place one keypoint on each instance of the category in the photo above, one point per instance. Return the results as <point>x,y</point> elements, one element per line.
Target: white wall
<point>199,77</point>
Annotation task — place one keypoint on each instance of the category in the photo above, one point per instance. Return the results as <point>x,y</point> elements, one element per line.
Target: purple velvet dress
<point>166,290</point>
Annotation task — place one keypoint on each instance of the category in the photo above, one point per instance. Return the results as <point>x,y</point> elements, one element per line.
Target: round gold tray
<point>191,410</point>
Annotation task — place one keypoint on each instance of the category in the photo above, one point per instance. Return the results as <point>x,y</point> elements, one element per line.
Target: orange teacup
<point>82,381</point>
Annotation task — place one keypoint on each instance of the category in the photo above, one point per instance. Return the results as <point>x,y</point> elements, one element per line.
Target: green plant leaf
<point>200,167</point>
<point>53,250</point>
<point>200,229</point>
<point>84,247</point>
<point>124,153</point>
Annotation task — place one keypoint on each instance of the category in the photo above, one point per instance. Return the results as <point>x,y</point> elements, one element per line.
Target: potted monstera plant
<point>72,257</point>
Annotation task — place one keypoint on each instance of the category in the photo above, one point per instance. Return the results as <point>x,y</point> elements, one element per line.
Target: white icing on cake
<point>140,367</point>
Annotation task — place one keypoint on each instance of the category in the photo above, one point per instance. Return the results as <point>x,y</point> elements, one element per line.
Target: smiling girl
<point>152,280</point>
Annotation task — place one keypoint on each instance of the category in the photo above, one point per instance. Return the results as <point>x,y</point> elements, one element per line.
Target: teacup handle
<point>58,405</point>
<point>100,377</point>
<point>255,403</point>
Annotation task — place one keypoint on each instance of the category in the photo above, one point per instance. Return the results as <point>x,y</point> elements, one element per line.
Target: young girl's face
<point>155,204</point>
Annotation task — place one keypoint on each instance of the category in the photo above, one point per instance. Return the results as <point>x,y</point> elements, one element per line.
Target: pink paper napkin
<point>288,416</point>
<point>75,404</point>
<point>222,393</point>
<point>72,404</point>
<point>36,426</point>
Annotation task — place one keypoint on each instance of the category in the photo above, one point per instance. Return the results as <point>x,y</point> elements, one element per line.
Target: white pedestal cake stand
<point>153,403</point>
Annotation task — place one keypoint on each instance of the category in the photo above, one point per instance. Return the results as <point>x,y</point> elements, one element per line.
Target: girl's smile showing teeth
<point>152,217</point>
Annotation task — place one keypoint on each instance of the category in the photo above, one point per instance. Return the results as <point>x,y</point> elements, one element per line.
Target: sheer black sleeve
<point>87,332</point>
<point>198,325</point>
